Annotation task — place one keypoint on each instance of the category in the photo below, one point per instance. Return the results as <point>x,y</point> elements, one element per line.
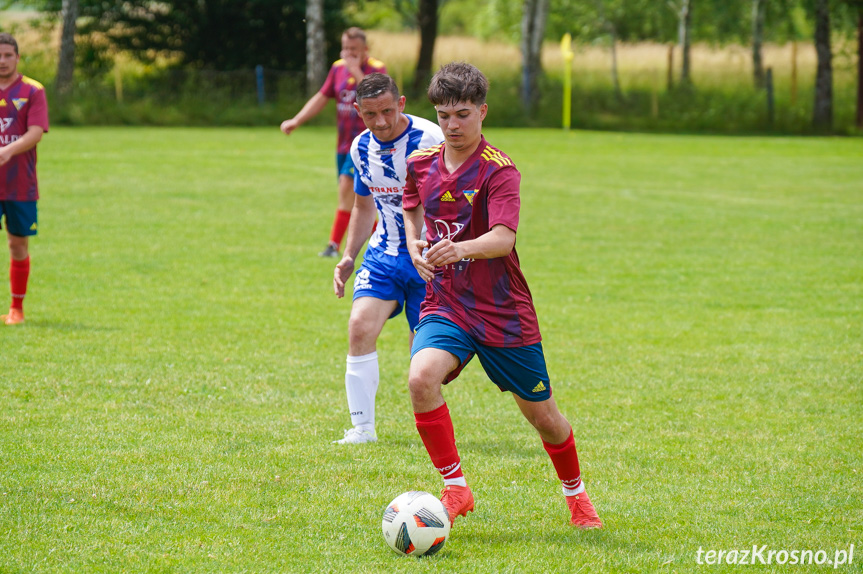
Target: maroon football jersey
<point>21,105</point>
<point>342,86</point>
<point>488,298</point>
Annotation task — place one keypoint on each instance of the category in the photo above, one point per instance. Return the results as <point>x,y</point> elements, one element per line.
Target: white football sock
<point>573,491</point>
<point>361,384</point>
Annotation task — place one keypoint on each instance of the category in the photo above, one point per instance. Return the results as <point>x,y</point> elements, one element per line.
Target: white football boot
<point>357,436</point>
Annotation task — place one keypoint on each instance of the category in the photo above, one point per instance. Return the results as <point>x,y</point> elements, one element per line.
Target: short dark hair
<point>10,40</point>
<point>353,33</point>
<point>373,85</point>
<point>458,82</point>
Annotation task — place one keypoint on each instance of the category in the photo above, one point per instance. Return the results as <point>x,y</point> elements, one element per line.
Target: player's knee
<point>359,330</point>
<point>17,247</point>
<point>547,422</point>
<point>423,383</point>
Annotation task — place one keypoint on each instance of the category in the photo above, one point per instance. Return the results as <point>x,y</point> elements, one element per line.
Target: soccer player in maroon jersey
<point>23,120</point>
<point>477,300</point>
<point>341,85</point>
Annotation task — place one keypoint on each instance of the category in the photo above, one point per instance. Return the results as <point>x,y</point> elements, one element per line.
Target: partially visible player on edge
<point>477,301</point>
<point>341,84</point>
<point>23,120</point>
<point>387,280</point>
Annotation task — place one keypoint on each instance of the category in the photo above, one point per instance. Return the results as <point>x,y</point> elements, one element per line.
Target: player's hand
<point>354,63</point>
<point>425,270</point>
<point>443,253</point>
<point>343,270</point>
<point>5,156</point>
<point>289,125</point>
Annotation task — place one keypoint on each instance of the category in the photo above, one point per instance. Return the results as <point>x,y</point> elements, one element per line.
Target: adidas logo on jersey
<point>447,196</point>
<point>539,388</point>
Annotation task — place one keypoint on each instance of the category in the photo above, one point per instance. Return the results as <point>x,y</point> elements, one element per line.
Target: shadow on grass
<point>65,326</point>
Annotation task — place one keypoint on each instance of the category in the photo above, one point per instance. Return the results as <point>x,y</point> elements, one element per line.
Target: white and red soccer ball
<point>416,524</point>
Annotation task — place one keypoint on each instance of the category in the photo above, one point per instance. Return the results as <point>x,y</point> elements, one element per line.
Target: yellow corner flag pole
<point>566,51</point>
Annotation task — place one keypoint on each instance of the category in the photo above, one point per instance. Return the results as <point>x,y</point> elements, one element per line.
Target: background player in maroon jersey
<point>341,84</point>
<point>23,120</point>
<point>477,300</point>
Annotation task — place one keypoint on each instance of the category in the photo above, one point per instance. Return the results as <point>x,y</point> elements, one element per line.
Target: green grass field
<point>170,402</point>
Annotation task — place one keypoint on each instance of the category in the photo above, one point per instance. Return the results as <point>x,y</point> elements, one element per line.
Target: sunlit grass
<point>170,403</point>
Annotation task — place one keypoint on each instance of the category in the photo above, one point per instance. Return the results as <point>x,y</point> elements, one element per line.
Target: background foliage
<point>213,34</point>
<point>185,62</point>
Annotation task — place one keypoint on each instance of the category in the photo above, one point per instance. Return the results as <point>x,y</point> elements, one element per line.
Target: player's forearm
<point>498,242</point>
<point>26,142</point>
<point>312,108</point>
<point>362,219</point>
<point>413,219</point>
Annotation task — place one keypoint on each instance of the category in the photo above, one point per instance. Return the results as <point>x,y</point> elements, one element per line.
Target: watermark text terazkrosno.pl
<point>757,555</point>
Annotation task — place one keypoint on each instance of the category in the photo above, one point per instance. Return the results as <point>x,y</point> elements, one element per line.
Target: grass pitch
<point>169,404</point>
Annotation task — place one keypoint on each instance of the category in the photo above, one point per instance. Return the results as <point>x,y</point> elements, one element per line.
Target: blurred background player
<point>387,280</point>
<point>23,120</point>
<point>341,84</point>
<point>478,301</point>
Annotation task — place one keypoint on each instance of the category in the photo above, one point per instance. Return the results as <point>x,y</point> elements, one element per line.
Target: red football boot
<point>458,501</point>
<point>583,513</point>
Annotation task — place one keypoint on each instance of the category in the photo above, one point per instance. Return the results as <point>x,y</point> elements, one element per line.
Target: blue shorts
<point>345,165</point>
<point>519,370</point>
<point>20,217</point>
<point>392,279</point>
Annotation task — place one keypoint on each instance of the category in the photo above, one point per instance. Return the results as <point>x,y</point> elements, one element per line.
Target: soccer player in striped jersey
<point>477,302</point>
<point>341,85</point>
<point>387,280</point>
<point>23,120</point>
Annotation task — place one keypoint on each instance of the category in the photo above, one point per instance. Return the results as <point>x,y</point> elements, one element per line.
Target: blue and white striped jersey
<point>380,170</point>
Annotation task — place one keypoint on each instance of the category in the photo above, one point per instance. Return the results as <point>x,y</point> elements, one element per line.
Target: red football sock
<point>565,460</point>
<point>436,431</point>
<point>340,225</point>
<point>19,272</point>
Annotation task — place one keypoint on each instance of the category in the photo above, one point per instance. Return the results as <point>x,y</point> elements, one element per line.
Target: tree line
<point>304,34</point>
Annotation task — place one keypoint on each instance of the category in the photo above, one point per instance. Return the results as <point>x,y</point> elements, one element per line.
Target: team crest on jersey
<point>447,196</point>
<point>469,193</point>
<point>19,102</point>
<point>5,123</point>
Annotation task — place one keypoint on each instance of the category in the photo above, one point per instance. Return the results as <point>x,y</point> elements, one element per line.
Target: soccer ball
<point>416,523</point>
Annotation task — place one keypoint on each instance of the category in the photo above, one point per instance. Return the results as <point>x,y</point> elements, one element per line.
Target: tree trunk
<point>615,78</point>
<point>822,116</point>
<point>793,73</point>
<point>757,40</point>
<point>66,63</point>
<point>860,69</point>
<point>669,76</point>
<point>316,47</point>
<point>427,22</point>
<point>533,18</point>
<point>683,32</point>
